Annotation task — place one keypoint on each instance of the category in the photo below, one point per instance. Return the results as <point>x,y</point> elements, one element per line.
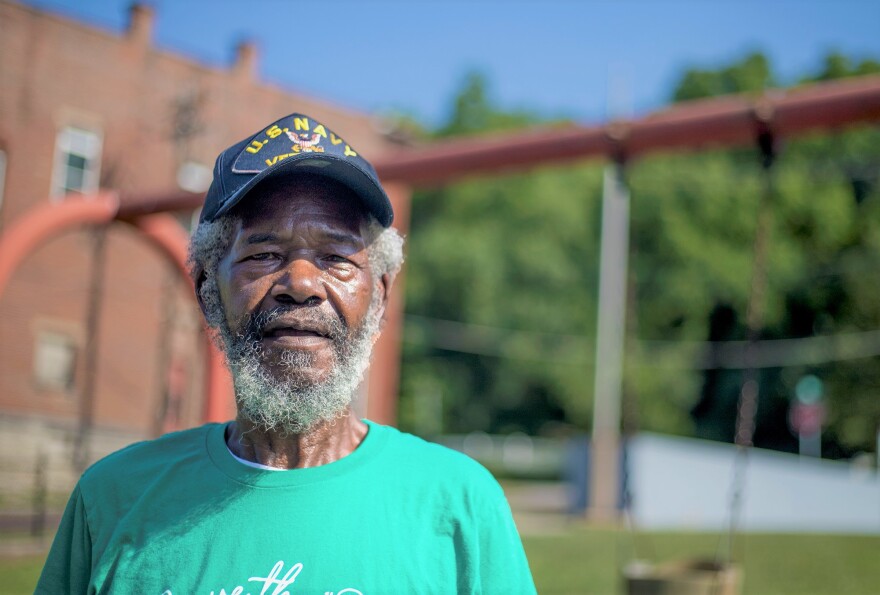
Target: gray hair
<point>211,240</point>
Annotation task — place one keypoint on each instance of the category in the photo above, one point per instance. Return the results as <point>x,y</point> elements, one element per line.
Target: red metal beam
<point>131,207</point>
<point>725,121</point>
<point>720,122</point>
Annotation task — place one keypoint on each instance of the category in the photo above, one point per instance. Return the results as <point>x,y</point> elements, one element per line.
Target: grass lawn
<point>19,574</point>
<point>585,561</point>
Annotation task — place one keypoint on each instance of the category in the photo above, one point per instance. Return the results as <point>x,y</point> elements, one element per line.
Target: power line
<point>571,349</point>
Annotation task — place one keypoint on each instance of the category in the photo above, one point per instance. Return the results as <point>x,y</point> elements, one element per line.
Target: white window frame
<point>53,348</point>
<point>193,176</point>
<point>83,143</point>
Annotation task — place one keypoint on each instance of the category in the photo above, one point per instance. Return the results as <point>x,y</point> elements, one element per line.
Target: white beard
<point>285,400</point>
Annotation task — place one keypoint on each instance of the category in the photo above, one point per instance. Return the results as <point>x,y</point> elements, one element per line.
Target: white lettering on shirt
<point>273,580</point>
<point>273,585</point>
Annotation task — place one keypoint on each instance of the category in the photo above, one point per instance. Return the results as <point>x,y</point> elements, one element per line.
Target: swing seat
<point>682,577</point>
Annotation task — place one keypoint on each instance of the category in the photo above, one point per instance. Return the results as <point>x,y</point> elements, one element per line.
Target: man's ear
<point>200,280</point>
<point>385,282</point>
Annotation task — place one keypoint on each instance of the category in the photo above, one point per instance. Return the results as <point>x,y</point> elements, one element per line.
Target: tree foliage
<point>750,75</point>
<point>472,112</point>
<point>501,286</point>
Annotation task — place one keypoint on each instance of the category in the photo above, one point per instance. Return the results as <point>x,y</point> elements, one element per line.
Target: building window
<point>55,361</point>
<point>77,162</point>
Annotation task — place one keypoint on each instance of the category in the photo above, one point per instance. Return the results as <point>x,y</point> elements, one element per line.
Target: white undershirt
<point>251,463</point>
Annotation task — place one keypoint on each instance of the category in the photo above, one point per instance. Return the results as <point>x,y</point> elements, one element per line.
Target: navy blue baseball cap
<point>294,145</point>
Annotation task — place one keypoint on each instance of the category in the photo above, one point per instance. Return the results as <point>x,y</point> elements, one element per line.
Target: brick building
<point>97,330</point>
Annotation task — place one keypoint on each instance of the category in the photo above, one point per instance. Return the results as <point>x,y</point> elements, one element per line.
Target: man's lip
<point>285,328</point>
<point>287,331</point>
<point>296,333</point>
<point>286,338</point>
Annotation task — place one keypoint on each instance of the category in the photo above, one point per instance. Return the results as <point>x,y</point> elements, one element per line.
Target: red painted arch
<point>48,220</point>
<point>166,234</point>
<point>162,231</point>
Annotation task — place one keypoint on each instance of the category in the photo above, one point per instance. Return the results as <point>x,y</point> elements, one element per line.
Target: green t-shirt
<point>179,516</point>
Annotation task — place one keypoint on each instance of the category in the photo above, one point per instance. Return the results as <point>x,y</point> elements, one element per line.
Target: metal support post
<point>605,449</point>
<point>82,446</point>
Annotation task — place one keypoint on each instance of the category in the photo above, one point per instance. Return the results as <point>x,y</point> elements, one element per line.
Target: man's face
<point>299,297</point>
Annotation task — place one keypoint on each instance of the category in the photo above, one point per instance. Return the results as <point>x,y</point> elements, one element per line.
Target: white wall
<point>681,483</point>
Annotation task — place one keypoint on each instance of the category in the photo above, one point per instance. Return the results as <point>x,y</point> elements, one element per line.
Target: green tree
<point>509,252</point>
<point>520,252</point>
<point>473,113</point>
<point>692,242</point>
<point>838,66</point>
<point>483,258</point>
<point>750,75</point>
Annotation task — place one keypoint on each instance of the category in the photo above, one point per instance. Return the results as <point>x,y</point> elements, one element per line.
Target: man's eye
<point>262,256</point>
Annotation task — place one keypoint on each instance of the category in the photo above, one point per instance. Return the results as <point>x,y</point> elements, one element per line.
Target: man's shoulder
<point>149,455</point>
<point>415,453</point>
<point>417,448</point>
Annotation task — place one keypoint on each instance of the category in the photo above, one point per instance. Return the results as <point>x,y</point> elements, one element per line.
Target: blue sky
<point>553,57</point>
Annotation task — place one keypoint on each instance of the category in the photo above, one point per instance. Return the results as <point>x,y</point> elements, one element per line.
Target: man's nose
<point>300,283</point>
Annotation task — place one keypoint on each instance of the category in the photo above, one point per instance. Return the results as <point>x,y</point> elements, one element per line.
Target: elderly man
<point>293,261</point>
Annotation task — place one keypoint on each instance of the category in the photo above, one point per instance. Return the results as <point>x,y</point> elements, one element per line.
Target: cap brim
<point>343,171</point>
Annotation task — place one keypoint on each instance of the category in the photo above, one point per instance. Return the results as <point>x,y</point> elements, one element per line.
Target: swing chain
<point>747,405</point>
